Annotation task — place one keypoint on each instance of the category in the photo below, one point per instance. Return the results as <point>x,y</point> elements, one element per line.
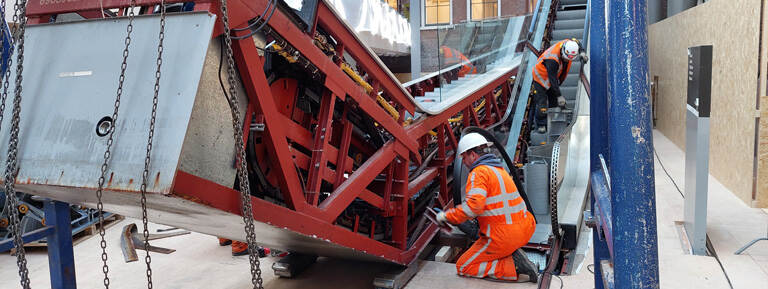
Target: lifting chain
<point>242,173</point>
<point>11,168</point>
<point>145,174</point>
<point>110,140</point>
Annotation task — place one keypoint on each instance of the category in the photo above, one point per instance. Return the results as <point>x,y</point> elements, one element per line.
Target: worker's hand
<point>584,57</point>
<point>440,218</point>
<point>561,101</point>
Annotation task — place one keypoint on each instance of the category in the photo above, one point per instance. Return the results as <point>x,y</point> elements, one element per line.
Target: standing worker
<point>505,223</point>
<point>549,73</point>
<point>452,56</point>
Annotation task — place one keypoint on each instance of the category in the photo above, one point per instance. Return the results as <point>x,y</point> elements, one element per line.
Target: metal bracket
<point>293,264</point>
<point>397,278</point>
<point>130,241</point>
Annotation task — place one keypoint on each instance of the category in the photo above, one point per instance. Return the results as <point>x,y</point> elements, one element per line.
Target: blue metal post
<point>631,157</point>
<point>61,260</point>
<point>598,111</point>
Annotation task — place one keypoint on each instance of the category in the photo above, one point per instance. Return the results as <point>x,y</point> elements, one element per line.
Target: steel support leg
<point>598,117</point>
<point>61,259</point>
<point>631,148</point>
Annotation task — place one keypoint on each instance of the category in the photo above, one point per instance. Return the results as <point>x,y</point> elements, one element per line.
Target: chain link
<point>6,64</point>
<point>110,140</point>
<point>242,173</point>
<point>145,173</point>
<point>11,169</point>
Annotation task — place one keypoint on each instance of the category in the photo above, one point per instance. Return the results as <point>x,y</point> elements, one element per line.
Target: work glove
<point>561,101</point>
<point>441,219</point>
<point>584,57</point>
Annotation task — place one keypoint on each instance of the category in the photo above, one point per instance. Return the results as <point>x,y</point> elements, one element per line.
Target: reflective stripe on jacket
<point>491,197</point>
<point>540,73</point>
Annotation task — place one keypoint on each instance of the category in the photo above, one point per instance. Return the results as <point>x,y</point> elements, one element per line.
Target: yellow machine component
<point>356,77</point>
<point>461,117</point>
<point>279,49</point>
<point>388,107</point>
<point>368,88</point>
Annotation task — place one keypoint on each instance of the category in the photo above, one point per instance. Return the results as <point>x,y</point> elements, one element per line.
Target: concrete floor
<point>200,263</point>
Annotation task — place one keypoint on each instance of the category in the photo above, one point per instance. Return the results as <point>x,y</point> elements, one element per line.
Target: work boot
<point>525,266</point>
<point>561,101</point>
<point>224,242</point>
<point>239,248</point>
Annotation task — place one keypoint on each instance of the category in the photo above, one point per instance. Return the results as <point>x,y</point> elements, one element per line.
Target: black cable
<point>711,249</point>
<point>668,175</point>
<point>592,270</point>
<point>254,31</point>
<point>263,13</point>
<point>221,62</point>
<point>550,280</point>
<point>709,245</point>
<point>561,281</point>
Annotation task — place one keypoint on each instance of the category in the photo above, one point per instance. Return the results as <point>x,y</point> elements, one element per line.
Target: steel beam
<point>598,119</point>
<point>61,258</point>
<point>631,148</point>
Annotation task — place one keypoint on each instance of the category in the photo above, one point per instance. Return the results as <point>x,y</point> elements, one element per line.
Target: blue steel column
<point>631,156</point>
<point>61,260</point>
<point>598,111</point>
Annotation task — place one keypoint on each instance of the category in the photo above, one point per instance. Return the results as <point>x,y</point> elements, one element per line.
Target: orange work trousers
<point>491,255</point>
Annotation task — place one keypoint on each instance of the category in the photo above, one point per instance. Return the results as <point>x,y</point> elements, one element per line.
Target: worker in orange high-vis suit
<point>504,222</point>
<point>549,73</point>
<point>452,56</point>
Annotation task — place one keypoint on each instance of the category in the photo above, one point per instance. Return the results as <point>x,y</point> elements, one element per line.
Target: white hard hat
<point>570,50</point>
<point>470,141</point>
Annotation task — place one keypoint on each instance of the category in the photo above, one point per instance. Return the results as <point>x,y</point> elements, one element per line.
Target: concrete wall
<point>733,28</point>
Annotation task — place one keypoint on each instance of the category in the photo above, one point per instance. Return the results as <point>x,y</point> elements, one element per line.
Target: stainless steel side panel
<point>69,83</point>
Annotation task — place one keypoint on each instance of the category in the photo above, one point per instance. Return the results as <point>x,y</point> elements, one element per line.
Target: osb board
<point>732,27</point>
<point>761,199</point>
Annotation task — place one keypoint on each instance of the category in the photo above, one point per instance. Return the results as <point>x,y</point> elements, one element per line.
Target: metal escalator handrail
<point>524,83</point>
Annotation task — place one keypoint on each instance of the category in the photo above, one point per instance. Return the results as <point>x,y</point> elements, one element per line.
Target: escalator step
<point>571,80</point>
<point>571,14</point>
<point>568,91</point>
<point>569,24</point>
<point>568,33</point>
<point>573,2</point>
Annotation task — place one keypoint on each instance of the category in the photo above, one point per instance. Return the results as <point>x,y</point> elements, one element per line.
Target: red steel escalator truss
<point>309,155</point>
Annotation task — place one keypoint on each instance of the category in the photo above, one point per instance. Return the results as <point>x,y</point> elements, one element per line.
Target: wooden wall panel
<point>733,28</point>
<point>761,183</point>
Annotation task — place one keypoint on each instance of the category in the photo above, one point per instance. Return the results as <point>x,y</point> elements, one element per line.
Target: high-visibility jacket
<point>452,56</point>
<point>505,223</point>
<point>541,73</point>
<point>491,197</point>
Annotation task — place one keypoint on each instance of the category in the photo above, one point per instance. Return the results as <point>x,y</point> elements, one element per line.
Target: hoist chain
<point>6,64</point>
<point>110,140</point>
<point>242,172</point>
<point>11,168</point>
<point>145,174</point>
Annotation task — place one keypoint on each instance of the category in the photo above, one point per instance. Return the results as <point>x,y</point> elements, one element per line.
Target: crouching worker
<point>505,223</point>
